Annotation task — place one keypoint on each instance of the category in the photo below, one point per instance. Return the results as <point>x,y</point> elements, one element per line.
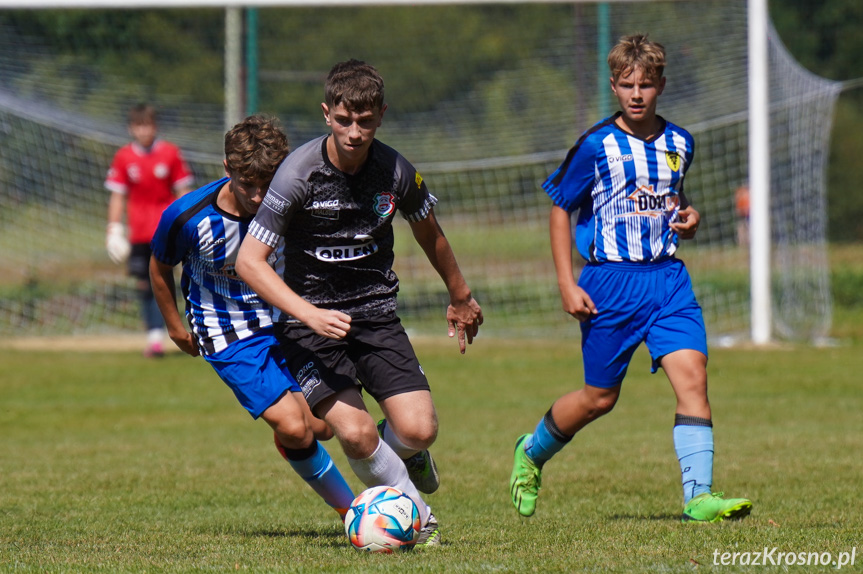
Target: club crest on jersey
<point>161,171</point>
<point>384,203</point>
<point>134,173</point>
<point>672,158</point>
<point>648,202</point>
<point>419,180</point>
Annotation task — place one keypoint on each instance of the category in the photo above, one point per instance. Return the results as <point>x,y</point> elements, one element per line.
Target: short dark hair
<point>255,147</point>
<point>355,84</point>
<point>142,114</point>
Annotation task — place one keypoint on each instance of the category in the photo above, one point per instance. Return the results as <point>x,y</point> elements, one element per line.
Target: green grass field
<point>112,463</point>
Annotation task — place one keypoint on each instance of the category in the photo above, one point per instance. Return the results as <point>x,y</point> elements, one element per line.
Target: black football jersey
<point>337,251</point>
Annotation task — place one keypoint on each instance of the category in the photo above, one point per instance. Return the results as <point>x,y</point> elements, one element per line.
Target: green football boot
<point>525,481</point>
<point>711,507</point>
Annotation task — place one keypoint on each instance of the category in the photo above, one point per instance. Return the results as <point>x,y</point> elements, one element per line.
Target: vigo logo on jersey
<point>647,202</point>
<point>337,253</point>
<point>326,209</point>
<point>207,245</point>
<point>384,203</point>
<point>617,158</point>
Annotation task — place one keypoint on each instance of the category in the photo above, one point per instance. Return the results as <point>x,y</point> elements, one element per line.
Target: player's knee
<point>601,405</point>
<point>321,430</point>
<point>357,440</point>
<point>419,435</point>
<point>293,433</point>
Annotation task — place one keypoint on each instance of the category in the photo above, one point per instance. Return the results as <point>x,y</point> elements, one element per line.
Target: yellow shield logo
<point>672,158</point>
<point>418,179</point>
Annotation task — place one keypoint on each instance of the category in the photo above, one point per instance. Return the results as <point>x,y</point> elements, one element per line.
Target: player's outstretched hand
<point>577,302</point>
<point>687,226</point>
<point>464,319</point>
<point>329,323</point>
<point>185,342</point>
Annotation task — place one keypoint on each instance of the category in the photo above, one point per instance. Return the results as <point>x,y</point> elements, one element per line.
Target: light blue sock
<point>693,442</point>
<point>319,471</point>
<point>546,441</point>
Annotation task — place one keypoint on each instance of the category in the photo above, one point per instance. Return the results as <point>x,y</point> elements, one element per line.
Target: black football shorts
<point>376,354</point>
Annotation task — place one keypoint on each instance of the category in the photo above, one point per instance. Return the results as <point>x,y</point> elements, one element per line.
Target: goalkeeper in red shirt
<point>146,176</point>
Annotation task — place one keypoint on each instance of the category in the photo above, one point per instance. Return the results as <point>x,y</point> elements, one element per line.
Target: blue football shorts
<point>652,303</point>
<point>255,369</point>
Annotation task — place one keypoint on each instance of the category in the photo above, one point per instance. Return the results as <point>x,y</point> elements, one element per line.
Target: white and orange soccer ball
<point>383,519</point>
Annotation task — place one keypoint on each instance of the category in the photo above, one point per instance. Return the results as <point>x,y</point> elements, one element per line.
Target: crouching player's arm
<point>575,300</point>
<point>164,291</point>
<point>252,267</point>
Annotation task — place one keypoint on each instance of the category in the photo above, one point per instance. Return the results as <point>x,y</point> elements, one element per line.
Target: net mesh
<point>483,150</point>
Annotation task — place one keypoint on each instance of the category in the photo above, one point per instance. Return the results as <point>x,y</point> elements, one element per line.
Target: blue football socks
<point>319,471</point>
<point>693,442</point>
<point>547,440</point>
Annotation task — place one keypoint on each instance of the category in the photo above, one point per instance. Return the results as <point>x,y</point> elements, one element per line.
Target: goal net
<point>484,100</point>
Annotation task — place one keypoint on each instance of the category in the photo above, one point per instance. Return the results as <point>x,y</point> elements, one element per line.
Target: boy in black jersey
<point>328,217</point>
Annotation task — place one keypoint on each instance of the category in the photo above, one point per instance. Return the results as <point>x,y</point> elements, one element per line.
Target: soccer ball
<point>383,519</point>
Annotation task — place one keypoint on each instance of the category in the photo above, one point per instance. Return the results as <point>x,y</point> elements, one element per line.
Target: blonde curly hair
<point>637,51</point>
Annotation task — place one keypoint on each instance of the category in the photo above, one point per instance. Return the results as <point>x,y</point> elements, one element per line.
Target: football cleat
<point>525,480</point>
<point>711,507</point>
<point>422,469</point>
<point>429,535</point>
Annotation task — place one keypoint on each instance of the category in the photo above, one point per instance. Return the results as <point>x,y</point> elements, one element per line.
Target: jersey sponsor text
<point>648,202</point>
<point>348,252</point>
<point>276,202</point>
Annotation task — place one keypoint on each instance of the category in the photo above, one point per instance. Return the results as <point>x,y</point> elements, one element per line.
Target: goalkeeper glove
<point>117,244</point>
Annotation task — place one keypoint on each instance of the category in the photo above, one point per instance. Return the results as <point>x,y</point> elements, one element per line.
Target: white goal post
<point>754,169</point>
<point>759,173</point>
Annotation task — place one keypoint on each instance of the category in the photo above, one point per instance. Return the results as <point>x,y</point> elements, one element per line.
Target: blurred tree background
<point>824,36</point>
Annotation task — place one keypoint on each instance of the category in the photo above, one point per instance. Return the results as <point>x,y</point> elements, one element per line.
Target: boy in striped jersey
<point>624,177</point>
<point>231,326</point>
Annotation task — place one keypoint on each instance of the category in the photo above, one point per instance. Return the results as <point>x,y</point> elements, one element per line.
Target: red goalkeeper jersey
<point>148,179</point>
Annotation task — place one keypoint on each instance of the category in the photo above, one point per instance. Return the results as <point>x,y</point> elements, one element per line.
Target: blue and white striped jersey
<point>627,191</point>
<point>220,307</point>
